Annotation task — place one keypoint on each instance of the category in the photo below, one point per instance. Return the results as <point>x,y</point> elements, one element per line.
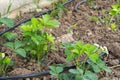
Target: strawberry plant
<point>114,13</point>
<point>4,63</point>
<point>37,41</point>
<point>59,9</point>
<point>82,71</point>
<point>16,47</point>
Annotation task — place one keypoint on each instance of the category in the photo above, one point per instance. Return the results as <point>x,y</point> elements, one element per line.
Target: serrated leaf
<point>7,21</point>
<point>55,70</point>
<point>90,75</point>
<point>45,47</point>
<point>10,36</point>
<point>9,44</point>
<point>102,65</point>
<point>34,22</point>
<point>46,18</point>
<point>94,57</point>
<point>76,71</point>
<point>54,48</point>
<point>35,40</point>
<point>18,44</point>
<point>26,27</point>
<point>78,77</point>
<point>53,73</point>
<point>52,23</point>
<point>113,27</point>
<point>50,38</point>
<point>95,67</point>
<point>6,60</point>
<point>70,55</point>
<point>21,52</point>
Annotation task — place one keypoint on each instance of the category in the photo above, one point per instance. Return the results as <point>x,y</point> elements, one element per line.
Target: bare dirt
<point>77,26</point>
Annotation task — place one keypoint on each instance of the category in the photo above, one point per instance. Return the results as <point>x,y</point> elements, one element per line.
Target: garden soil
<point>75,26</point>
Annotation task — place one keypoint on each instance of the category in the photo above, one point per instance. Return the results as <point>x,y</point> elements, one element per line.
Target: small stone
<point>27,79</point>
<point>115,78</point>
<point>114,62</point>
<point>115,49</point>
<point>65,38</point>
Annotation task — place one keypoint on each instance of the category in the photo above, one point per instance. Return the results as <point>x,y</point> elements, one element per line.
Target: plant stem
<point>115,66</point>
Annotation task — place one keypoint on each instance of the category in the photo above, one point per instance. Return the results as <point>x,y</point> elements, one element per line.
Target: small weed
<point>60,9</point>
<point>9,6</point>
<point>111,19</point>
<point>4,63</point>
<point>114,13</point>
<point>93,18</point>
<point>16,47</point>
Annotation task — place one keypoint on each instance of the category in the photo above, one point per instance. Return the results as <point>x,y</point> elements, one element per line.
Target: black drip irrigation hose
<point>78,4</point>
<point>41,73</point>
<point>38,15</point>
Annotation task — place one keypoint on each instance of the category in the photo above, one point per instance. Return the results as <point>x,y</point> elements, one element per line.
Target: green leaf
<point>21,52</point>
<point>34,22</point>
<point>35,39</point>
<point>102,65</point>
<point>65,76</point>
<point>10,36</point>
<point>75,51</point>
<point>6,61</point>
<point>79,77</point>
<point>70,55</point>
<point>26,27</point>
<point>93,18</point>
<point>113,27</point>
<point>55,70</point>
<point>80,44</point>
<point>52,23</point>
<point>9,44</point>
<point>7,21</point>
<point>18,44</point>
<point>90,75</point>
<point>76,71</point>
<point>46,18</point>
<point>112,12</point>
<point>54,48</point>
<point>50,38</point>
<point>95,67</point>
<point>11,63</point>
<point>94,57</point>
<point>53,73</point>
<point>45,47</point>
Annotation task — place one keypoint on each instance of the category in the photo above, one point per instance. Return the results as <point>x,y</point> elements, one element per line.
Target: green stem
<point>83,65</point>
<point>109,24</point>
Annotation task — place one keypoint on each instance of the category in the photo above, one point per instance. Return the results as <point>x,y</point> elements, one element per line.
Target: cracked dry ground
<point>82,29</point>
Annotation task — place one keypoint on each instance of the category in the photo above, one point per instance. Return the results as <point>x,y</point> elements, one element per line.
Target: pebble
<point>114,62</point>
